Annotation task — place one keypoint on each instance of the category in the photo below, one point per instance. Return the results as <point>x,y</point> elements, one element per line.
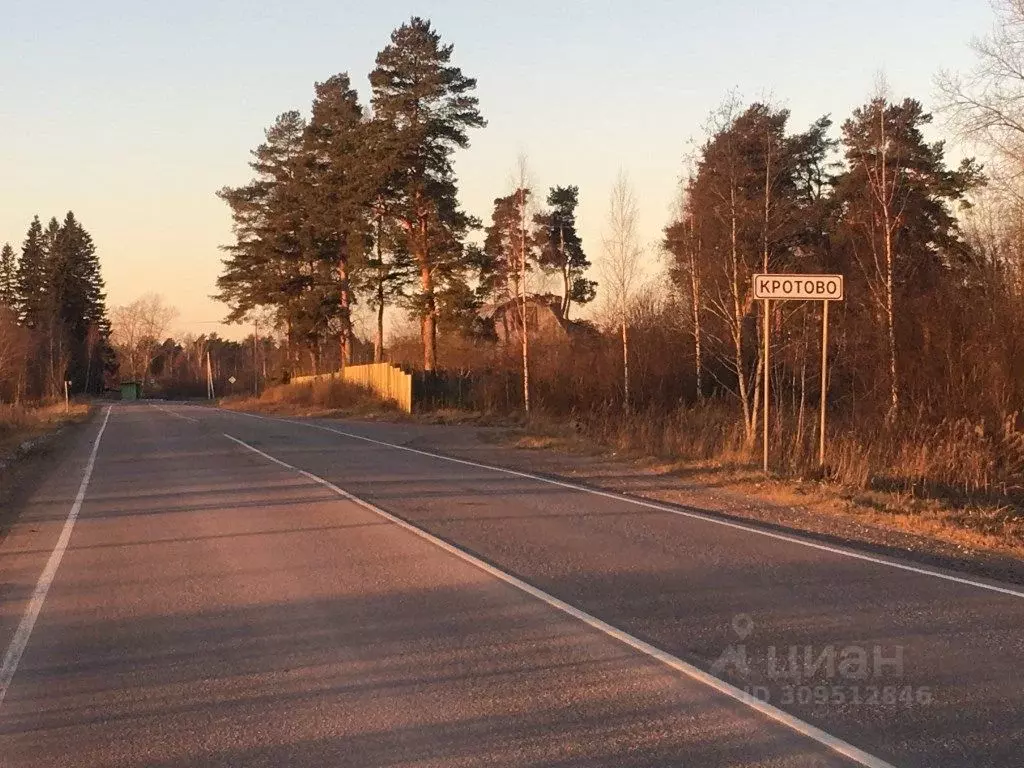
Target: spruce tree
<point>81,310</point>
<point>8,277</point>
<point>32,278</point>
<point>424,106</point>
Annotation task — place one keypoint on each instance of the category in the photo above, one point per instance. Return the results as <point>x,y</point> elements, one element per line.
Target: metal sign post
<point>823,288</point>
<point>824,381</point>
<point>767,348</point>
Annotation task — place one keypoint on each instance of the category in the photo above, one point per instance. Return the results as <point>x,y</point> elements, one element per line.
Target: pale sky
<point>133,114</point>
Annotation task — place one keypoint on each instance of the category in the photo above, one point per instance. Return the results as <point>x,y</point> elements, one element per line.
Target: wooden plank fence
<point>388,381</point>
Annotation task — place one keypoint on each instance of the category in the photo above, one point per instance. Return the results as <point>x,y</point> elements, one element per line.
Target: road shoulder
<point>26,464</point>
<point>797,512</point>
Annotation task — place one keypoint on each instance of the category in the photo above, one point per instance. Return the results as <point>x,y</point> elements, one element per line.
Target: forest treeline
<point>53,319</point>
<point>358,204</point>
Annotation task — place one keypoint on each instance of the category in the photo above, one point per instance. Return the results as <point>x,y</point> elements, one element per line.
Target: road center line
<point>35,604</point>
<point>174,413</point>
<point>708,518</point>
<point>784,718</point>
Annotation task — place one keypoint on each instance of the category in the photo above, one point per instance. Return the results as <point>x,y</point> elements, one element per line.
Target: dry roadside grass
<point>25,453</point>
<point>811,504</point>
<point>21,424</point>
<point>327,398</point>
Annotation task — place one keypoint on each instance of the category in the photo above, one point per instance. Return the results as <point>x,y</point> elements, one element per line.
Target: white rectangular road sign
<point>805,287</point>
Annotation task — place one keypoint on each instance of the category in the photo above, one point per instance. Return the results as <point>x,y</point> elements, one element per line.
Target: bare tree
<point>521,182</point>
<point>987,104</point>
<point>623,253</point>
<point>137,329</point>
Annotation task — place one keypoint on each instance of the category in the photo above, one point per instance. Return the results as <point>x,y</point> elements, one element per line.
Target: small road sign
<point>823,288</point>
<point>232,379</point>
<point>800,287</point>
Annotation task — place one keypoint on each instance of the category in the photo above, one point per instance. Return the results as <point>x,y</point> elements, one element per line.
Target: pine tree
<point>894,231</point>
<point>753,204</point>
<point>562,249</point>
<point>8,277</point>
<point>425,107</point>
<point>501,268</point>
<point>275,261</point>
<point>340,188</point>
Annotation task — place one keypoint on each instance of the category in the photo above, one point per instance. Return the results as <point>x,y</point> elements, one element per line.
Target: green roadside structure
<point>131,390</point>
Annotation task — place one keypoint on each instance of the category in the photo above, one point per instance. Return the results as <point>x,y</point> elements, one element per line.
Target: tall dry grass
<point>321,395</point>
<point>958,461</point>
<point>22,422</point>
<point>953,458</point>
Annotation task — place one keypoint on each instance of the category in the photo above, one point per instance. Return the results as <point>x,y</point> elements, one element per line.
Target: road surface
<point>193,587</point>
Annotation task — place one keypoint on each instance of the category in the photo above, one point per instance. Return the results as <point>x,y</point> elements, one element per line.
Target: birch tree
<point>623,253</point>
<point>137,330</point>
<point>509,254</point>
<point>752,204</point>
<point>895,224</point>
<point>986,104</point>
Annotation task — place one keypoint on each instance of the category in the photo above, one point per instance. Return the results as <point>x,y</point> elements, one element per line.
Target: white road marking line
<point>174,413</point>
<point>665,508</point>
<point>784,718</point>
<point>35,604</point>
<point>261,453</point>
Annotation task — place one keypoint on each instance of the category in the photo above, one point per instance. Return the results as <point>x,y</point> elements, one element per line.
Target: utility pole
<point>209,377</point>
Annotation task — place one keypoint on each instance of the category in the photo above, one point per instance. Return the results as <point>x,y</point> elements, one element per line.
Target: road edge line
<point>782,717</point>
<point>647,504</point>
<point>35,605</point>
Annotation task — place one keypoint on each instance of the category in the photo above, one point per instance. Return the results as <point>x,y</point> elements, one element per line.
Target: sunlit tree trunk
<point>522,284</point>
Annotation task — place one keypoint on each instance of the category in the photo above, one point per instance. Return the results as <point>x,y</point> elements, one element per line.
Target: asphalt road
<point>239,591</point>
